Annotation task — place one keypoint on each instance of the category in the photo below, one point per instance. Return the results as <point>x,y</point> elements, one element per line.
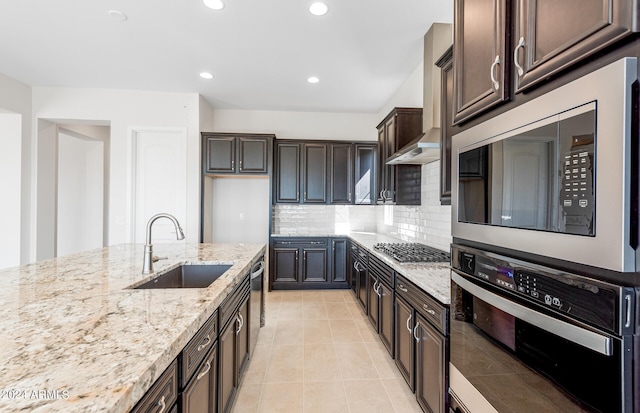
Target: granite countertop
<point>76,339</point>
<point>434,278</point>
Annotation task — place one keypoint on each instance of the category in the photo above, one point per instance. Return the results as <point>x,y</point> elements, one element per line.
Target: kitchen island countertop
<point>76,338</point>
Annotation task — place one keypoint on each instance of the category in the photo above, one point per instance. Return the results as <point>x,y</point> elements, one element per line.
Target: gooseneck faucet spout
<point>147,265</point>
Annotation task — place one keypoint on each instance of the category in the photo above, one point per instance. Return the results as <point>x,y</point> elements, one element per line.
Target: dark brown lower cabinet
<point>308,263</point>
<point>163,394</point>
<point>431,367</point>
<point>404,342</point>
<point>234,354</point>
<point>380,302</point>
<point>200,395</point>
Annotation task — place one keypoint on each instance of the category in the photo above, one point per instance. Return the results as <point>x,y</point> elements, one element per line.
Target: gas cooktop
<point>411,252</point>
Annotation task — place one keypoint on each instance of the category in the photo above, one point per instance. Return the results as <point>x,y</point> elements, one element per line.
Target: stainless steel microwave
<point>556,176</point>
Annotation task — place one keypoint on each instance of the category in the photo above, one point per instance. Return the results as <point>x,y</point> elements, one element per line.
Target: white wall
<point>298,125</point>
<point>15,97</point>
<point>127,111</point>
<point>10,187</point>
<point>79,194</point>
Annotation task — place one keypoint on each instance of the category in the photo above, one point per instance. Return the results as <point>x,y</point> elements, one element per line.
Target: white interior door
<point>160,182</point>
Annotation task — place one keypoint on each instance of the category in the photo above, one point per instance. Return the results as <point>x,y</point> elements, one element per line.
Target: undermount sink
<point>187,276</point>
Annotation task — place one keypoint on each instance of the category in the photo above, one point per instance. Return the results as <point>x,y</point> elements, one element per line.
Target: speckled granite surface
<point>434,278</point>
<point>76,339</point>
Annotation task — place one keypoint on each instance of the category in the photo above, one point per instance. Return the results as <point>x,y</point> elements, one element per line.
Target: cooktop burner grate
<point>411,252</point>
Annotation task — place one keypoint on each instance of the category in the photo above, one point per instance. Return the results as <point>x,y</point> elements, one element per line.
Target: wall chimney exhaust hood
<point>426,147</point>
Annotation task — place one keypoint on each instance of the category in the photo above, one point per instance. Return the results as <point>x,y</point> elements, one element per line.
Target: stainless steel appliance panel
<point>608,244</point>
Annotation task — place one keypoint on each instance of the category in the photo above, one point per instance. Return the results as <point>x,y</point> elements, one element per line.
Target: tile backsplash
<point>429,223</point>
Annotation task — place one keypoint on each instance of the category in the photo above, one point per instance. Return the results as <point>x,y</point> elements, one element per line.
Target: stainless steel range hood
<point>425,148</point>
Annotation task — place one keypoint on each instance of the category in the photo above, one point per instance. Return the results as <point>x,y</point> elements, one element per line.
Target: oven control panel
<point>576,296</point>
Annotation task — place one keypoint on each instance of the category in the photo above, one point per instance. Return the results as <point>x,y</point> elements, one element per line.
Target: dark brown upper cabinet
<point>399,184</point>
<point>481,58</point>
<point>225,153</point>
<point>505,46</point>
<point>445,63</point>
<point>341,173</point>
<point>322,172</point>
<point>552,35</point>
<point>314,173</point>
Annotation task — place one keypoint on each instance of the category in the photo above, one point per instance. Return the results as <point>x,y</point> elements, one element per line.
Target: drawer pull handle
<point>409,321</point>
<point>204,373</point>
<point>402,288</point>
<point>203,345</point>
<point>415,332</point>
<point>428,310</point>
<point>162,405</point>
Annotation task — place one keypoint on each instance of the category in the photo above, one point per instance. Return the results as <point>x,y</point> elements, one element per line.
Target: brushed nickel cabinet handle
<point>494,82</point>
<point>409,321</point>
<point>401,288</point>
<point>415,331</point>
<point>203,345</point>
<point>204,373</point>
<point>520,45</point>
<point>162,405</point>
<point>428,310</point>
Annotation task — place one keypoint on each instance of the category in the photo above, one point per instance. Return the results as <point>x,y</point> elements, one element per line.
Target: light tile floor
<point>319,353</point>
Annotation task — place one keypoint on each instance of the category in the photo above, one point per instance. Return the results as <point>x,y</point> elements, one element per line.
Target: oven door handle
<point>586,338</point>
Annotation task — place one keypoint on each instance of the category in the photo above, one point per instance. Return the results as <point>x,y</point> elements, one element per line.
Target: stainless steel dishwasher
<point>257,301</point>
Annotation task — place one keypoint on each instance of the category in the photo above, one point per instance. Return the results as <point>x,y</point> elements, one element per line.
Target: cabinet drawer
<point>300,242</point>
<point>164,392</point>
<point>231,303</point>
<point>430,308</point>
<point>194,352</point>
<point>380,270</point>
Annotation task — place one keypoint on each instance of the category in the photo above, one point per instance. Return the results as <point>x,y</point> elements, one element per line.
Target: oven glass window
<point>538,177</point>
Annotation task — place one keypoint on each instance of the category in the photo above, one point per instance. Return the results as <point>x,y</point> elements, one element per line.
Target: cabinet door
<point>287,173</point>
<point>314,173</point>
<point>339,260</point>
<point>365,175</point>
<point>363,290</point>
<point>431,367</point>
<point>228,377</point>
<point>341,174</point>
<point>314,264</point>
<point>389,170</point>
<point>285,265</point>
<point>381,172</point>
<point>253,155</point>
<point>243,332</point>
<point>446,121</point>
<point>386,317</point>
<point>552,35</point>
<point>404,342</point>
<point>373,306</point>
<point>481,66</point>
<point>200,394</point>
<point>220,155</point>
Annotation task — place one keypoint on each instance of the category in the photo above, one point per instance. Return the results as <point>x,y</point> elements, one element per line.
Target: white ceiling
<point>260,51</point>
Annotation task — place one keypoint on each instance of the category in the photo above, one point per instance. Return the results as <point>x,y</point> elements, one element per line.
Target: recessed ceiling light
<point>313,79</point>
<point>206,75</point>
<point>117,15</point>
<point>318,9</point>
<point>214,4</point>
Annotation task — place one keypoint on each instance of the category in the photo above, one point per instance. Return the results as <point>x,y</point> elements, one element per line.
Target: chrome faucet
<point>147,265</point>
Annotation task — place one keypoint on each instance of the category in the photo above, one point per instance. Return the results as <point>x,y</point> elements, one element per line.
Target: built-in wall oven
<point>545,261</point>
